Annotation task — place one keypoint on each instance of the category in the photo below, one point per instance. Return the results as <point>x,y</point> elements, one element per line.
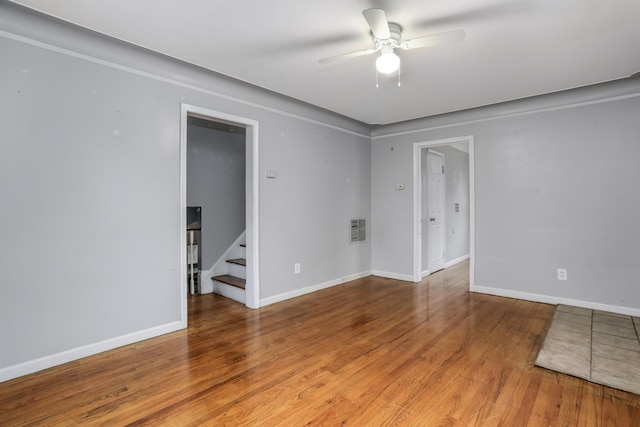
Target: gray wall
<point>555,186</point>
<point>216,182</point>
<point>89,183</point>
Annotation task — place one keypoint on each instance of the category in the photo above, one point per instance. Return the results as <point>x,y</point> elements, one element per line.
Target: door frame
<point>417,202</point>
<point>252,289</point>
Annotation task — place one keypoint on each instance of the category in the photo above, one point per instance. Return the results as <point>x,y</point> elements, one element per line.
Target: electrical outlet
<point>296,268</point>
<point>562,274</point>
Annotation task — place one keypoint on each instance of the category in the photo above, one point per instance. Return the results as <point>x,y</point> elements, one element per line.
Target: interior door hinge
<point>443,169</point>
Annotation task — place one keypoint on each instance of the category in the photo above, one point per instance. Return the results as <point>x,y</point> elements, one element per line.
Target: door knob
<point>432,219</point>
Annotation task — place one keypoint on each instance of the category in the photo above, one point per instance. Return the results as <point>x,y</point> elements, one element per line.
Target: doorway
<point>216,172</point>
<point>251,214</point>
<point>454,208</point>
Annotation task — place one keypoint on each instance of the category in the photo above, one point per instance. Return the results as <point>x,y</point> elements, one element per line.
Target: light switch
<point>272,174</point>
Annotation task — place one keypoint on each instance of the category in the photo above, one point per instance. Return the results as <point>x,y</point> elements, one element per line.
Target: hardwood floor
<point>371,352</point>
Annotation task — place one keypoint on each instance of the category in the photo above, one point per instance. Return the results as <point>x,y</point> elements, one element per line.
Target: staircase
<point>229,278</point>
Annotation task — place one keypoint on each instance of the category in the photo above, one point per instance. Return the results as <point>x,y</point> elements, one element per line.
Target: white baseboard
<point>46,362</point>
<point>548,299</point>
<point>206,284</point>
<point>309,289</point>
<point>388,275</point>
<point>456,261</point>
<point>425,273</point>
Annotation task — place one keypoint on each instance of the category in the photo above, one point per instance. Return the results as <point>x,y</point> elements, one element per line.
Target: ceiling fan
<point>387,38</point>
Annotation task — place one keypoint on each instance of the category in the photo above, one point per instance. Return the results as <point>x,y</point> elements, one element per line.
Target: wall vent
<point>358,230</point>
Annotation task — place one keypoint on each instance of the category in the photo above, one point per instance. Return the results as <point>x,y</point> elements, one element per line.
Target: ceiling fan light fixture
<point>388,62</point>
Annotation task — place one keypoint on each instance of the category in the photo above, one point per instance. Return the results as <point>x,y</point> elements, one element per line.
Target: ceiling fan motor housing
<point>394,40</point>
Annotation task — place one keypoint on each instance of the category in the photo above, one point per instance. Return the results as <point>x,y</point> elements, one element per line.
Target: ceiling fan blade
<point>377,20</point>
<point>347,56</point>
<point>434,39</point>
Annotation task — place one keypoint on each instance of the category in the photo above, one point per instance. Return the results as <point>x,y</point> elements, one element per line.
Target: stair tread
<point>231,280</point>
<point>238,261</point>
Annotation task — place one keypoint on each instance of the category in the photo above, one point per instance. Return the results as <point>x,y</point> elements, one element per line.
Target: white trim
<point>252,293</point>
<point>396,276</point>
<point>128,69</point>
<point>309,289</point>
<point>183,215</point>
<point>417,185</point>
<point>426,273</point>
<point>548,299</point>
<point>456,261</point>
<point>89,58</point>
<point>46,362</point>
<point>510,115</point>
<point>472,213</point>
<point>252,213</point>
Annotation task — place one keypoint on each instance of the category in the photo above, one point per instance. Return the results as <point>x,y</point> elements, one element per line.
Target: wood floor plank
<point>370,352</point>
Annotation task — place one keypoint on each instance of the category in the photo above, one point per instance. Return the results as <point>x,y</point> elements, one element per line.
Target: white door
<point>435,206</point>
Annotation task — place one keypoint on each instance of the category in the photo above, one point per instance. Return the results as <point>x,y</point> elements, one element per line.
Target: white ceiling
<point>513,49</point>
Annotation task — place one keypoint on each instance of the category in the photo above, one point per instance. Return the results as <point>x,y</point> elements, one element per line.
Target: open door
<point>435,208</point>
